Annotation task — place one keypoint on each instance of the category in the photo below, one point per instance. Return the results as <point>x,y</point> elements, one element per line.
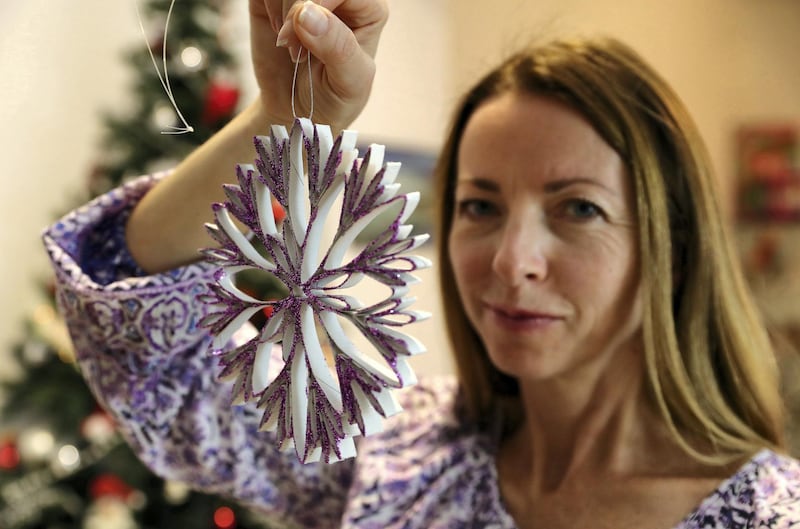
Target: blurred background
<point>65,65</point>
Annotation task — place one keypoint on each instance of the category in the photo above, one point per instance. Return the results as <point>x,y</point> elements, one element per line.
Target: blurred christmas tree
<point>62,465</point>
<point>203,82</point>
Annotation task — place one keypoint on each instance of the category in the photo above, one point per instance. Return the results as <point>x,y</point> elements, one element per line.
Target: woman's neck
<point>595,421</point>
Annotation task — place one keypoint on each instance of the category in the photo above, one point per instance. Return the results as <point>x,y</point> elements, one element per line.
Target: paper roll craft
<point>313,408</point>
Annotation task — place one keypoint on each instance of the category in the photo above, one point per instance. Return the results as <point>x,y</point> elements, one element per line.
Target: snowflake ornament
<point>328,390</point>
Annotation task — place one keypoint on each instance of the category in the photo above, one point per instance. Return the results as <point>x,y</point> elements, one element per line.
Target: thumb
<point>348,68</point>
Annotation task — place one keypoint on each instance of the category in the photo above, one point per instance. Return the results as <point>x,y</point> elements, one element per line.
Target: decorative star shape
<point>314,408</point>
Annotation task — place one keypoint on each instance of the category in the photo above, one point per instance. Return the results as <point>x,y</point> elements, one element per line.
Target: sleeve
<point>138,345</point>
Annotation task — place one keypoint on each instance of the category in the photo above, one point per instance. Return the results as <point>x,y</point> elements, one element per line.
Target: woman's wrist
<point>167,228</point>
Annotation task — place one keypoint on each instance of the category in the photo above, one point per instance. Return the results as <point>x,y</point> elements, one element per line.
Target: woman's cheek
<point>471,258</point>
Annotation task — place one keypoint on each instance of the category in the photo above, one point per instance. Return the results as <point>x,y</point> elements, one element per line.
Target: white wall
<point>59,65</point>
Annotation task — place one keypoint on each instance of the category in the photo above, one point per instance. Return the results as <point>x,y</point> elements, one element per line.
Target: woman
<point>612,372</point>
<point>581,234</point>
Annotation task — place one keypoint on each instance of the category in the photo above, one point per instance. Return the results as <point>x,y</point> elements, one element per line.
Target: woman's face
<point>543,240</point>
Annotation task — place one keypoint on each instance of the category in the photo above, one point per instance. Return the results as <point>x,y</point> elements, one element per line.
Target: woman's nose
<point>520,253</point>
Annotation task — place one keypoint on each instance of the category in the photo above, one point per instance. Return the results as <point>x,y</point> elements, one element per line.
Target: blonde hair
<point>710,366</point>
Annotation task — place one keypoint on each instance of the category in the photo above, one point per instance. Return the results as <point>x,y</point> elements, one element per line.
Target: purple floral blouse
<point>146,360</point>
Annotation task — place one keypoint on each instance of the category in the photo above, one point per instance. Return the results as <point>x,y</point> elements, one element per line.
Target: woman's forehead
<point>536,137</point>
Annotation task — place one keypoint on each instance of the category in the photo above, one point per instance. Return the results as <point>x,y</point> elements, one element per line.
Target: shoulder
<point>428,468</point>
<point>431,396</point>
<point>428,420</point>
<point>764,492</point>
<point>775,483</point>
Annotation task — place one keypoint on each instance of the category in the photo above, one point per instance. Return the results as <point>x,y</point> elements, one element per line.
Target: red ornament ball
<point>224,518</point>
<point>9,455</point>
<point>220,103</point>
<point>109,485</point>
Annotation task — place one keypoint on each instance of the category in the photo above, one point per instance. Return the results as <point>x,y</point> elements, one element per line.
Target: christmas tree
<point>62,464</point>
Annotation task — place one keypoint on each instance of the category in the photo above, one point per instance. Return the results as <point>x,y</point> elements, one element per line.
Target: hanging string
<point>165,79</point>
<point>310,83</point>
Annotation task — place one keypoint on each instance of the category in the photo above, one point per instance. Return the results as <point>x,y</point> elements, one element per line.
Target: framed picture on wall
<point>768,211</point>
<point>768,163</point>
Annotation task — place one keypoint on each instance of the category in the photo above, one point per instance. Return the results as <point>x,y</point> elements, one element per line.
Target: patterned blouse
<point>141,351</point>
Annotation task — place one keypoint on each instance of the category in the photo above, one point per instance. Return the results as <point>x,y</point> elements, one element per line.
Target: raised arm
<point>137,338</point>
<point>167,227</point>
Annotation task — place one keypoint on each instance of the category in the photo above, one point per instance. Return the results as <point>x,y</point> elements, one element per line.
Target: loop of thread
<point>165,77</point>
<point>310,83</point>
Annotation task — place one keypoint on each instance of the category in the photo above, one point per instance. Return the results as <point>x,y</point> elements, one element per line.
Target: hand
<point>342,37</point>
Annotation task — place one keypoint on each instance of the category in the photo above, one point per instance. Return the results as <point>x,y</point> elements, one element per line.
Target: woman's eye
<point>476,208</point>
<point>582,209</point>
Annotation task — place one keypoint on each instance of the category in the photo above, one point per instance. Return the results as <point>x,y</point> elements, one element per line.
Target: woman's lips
<point>521,319</point>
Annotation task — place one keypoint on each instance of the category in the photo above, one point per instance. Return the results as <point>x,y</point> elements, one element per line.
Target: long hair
<point>710,368</point>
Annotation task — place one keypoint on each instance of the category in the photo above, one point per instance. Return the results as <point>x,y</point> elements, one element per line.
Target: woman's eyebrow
<point>558,185</point>
<point>554,186</point>
<point>481,183</point>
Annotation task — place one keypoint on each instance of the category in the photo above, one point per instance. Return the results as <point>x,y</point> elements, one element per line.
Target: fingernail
<point>283,34</point>
<point>313,19</point>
